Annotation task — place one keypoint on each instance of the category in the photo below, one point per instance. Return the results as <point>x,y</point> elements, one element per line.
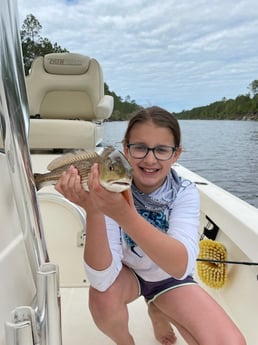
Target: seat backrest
<point>65,86</point>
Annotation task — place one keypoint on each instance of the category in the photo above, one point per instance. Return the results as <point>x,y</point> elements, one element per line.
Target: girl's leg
<point>109,308</point>
<point>162,327</point>
<point>198,317</point>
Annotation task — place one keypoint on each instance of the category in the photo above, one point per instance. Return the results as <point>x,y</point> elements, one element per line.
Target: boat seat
<point>66,100</point>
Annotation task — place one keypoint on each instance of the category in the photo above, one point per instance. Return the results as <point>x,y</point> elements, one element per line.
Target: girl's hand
<point>110,203</point>
<point>69,185</point>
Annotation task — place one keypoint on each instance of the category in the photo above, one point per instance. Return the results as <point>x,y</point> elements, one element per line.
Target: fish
<point>115,172</point>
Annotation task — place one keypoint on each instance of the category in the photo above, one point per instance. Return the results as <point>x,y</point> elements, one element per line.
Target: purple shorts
<point>151,290</point>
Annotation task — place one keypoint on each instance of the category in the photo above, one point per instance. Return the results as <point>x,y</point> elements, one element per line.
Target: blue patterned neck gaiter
<point>153,210</point>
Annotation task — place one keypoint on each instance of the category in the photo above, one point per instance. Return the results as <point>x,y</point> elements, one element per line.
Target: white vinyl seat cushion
<point>66,101</point>
<point>63,134</point>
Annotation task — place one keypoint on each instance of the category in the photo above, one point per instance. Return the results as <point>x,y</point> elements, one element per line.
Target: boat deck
<point>79,328</point>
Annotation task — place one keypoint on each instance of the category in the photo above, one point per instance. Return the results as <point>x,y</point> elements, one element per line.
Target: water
<point>224,152</point>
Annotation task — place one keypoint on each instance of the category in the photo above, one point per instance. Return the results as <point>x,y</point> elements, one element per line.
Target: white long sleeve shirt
<point>183,222</point>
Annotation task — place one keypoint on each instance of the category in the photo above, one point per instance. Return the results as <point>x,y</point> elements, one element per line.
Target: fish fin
<point>107,150</point>
<point>71,158</point>
<point>126,195</point>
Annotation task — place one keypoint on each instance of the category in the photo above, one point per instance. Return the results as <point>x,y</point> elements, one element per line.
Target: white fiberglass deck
<point>79,328</point>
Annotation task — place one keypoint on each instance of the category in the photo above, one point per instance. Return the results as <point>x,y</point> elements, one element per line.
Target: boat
<point>44,288</point>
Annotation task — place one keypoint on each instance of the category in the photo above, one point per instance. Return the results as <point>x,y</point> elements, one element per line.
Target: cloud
<point>176,54</point>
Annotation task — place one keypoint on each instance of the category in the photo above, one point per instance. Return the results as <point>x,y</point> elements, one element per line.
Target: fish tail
<point>42,180</point>
<point>37,180</point>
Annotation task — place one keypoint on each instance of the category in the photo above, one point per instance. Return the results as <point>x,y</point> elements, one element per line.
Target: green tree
<point>253,87</point>
<point>33,44</point>
<point>30,28</point>
<point>29,34</point>
<point>242,107</point>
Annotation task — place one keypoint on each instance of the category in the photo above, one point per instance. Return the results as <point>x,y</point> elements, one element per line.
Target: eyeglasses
<point>161,152</point>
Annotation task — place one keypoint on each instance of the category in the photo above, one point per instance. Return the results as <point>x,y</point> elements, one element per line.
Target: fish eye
<point>111,168</point>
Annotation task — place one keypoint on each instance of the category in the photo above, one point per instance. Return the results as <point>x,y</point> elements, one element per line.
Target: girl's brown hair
<point>160,117</point>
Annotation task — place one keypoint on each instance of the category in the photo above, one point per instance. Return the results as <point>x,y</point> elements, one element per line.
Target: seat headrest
<point>66,63</point>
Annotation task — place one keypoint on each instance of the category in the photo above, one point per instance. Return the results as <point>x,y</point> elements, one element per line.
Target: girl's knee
<point>102,304</point>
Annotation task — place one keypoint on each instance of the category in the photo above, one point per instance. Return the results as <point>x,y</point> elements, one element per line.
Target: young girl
<point>149,245</point>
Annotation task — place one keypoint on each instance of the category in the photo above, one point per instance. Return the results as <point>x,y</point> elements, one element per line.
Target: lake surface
<point>224,152</point>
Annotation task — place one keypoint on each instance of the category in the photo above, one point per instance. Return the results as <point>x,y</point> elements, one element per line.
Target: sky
<point>177,54</point>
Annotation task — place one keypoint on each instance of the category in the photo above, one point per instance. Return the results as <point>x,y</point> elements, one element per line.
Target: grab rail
<point>14,119</point>
<point>19,334</point>
<point>43,325</point>
<point>22,330</point>
<point>40,325</point>
<point>48,304</point>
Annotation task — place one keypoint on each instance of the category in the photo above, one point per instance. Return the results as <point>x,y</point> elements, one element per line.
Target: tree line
<point>242,107</point>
